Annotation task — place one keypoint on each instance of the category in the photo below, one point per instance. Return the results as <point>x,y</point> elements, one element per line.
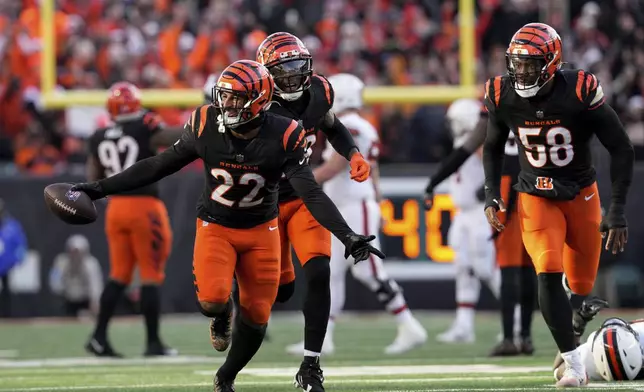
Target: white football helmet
<point>348,92</point>
<point>462,117</point>
<point>208,86</point>
<point>616,351</point>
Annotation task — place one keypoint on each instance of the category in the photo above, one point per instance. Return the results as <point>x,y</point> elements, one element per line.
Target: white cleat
<point>328,348</point>
<point>456,335</point>
<point>410,335</point>
<point>572,378</point>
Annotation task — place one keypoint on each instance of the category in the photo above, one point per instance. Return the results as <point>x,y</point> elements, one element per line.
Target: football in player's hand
<point>73,207</point>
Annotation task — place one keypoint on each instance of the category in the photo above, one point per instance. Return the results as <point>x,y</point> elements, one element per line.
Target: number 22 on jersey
<point>228,182</point>
<point>116,155</point>
<point>558,148</point>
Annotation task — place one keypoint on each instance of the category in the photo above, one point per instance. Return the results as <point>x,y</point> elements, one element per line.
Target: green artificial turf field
<point>48,356</point>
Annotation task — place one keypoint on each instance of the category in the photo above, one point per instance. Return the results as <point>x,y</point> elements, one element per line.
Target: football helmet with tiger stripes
<point>290,63</point>
<point>533,57</point>
<point>243,91</point>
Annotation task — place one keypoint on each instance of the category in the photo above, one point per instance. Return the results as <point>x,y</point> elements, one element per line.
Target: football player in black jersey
<point>245,151</point>
<point>137,226</point>
<point>554,114</point>
<point>518,284</point>
<point>306,97</point>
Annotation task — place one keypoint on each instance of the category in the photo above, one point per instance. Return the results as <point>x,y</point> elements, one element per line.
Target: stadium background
<point>415,56</point>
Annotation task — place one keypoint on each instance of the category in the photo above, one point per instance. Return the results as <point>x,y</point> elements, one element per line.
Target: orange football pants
<point>510,251</point>
<point>139,235</point>
<point>252,255</point>
<point>309,239</point>
<point>563,236</point>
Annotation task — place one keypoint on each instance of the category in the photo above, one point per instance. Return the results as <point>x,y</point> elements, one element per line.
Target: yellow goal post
<point>430,94</point>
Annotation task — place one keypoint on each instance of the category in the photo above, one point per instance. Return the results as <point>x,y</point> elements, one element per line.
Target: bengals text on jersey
<point>554,135</point>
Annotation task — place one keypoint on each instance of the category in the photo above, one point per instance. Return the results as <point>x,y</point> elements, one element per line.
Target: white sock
<point>465,317</point>
<point>308,353</point>
<point>572,359</point>
<point>404,316</point>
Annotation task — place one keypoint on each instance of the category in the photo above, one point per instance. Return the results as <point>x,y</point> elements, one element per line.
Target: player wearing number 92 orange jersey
<point>245,152</point>
<point>554,114</point>
<point>137,226</point>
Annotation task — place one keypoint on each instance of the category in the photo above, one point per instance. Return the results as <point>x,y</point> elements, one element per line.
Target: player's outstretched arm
<point>610,132</point>
<point>342,142</point>
<point>455,160</point>
<point>146,171</point>
<point>493,154</point>
<point>321,207</point>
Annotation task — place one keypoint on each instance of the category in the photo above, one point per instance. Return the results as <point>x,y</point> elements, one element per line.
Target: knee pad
<point>213,309</point>
<point>387,290</point>
<point>257,312</point>
<point>318,271</point>
<point>285,292</point>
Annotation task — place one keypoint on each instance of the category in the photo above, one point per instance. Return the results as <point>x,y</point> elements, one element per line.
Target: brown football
<point>73,207</point>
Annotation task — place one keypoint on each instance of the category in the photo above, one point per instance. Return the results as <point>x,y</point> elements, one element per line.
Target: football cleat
<point>526,347</point>
<point>572,378</point>
<point>456,335</point>
<point>310,377</point>
<point>223,385</point>
<point>158,349</point>
<point>101,349</point>
<point>588,310</point>
<point>221,331</point>
<point>505,348</point>
<point>410,335</point>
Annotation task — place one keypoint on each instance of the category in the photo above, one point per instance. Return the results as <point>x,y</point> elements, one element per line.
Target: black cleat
<point>310,377</point>
<point>505,348</point>
<point>526,347</point>
<point>223,385</point>
<point>588,310</point>
<point>101,349</point>
<point>221,332</point>
<point>158,349</point>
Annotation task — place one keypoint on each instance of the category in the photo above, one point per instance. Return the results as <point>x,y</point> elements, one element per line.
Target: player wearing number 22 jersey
<point>306,97</point>
<point>137,226</point>
<point>554,114</point>
<point>245,152</point>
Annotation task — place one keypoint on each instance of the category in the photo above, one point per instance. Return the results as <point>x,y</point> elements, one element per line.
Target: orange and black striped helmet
<point>290,63</point>
<point>124,101</point>
<point>533,57</point>
<point>243,91</point>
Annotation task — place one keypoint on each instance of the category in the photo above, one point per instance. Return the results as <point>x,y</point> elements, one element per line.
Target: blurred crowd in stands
<point>166,44</point>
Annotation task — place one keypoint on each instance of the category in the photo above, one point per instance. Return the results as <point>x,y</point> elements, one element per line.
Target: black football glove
<point>428,197</point>
<point>586,313</point>
<point>614,225</point>
<point>358,246</point>
<point>92,189</point>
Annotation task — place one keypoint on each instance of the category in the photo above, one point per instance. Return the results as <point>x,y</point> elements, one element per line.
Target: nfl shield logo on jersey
<point>539,114</point>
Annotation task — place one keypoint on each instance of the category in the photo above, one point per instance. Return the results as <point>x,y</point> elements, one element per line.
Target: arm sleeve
<point>458,157</point>
<point>338,135</point>
<point>153,169</point>
<point>493,154</point>
<point>301,178</point>
<point>611,134</point>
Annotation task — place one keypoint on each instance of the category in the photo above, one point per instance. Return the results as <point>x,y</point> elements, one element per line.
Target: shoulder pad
<point>197,121</point>
<point>293,136</point>
<point>494,92</point>
<point>587,88</point>
<point>320,82</point>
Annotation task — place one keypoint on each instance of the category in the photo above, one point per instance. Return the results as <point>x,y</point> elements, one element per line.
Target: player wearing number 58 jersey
<point>306,97</point>
<point>136,222</point>
<point>245,152</point>
<point>554,114</point>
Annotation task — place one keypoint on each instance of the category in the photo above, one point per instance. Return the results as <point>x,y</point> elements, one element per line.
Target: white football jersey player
<point>359,205</point>
<point>469,235</point>
<point>615,352</point>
